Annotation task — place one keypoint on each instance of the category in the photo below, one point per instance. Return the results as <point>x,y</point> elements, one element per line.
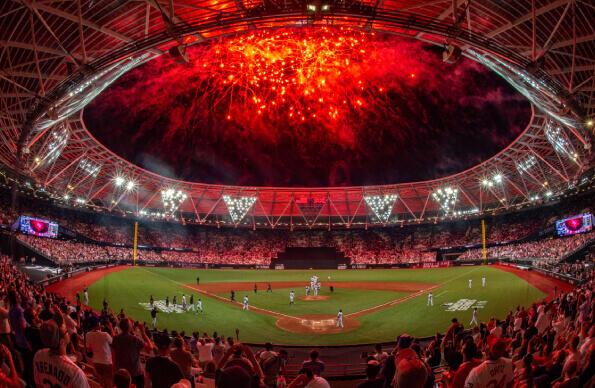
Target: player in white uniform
<point>483,281</point>
<point>470,283</point>
<point>316,288</point>
<point>340,319</point>
<point>474,320</point>
<point>199,304</point>
<point>245,307</point>
<point>86,295</point>
<point>430,299</point>
<point>183,302</point>
<point>291,297</point>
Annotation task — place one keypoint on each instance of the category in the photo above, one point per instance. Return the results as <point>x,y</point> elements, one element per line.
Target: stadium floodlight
<point>172,199</point>
<point>526,164</point>
<point>556,136</point>
<point>119,181</point>
<point>130,185</point>
<point>89,167</point>
<point>381,205</point>
<point>238,206</point>
<point>496,179</point>
<point>446,197</point>
<point>58,139</point>
<point>80,200</point>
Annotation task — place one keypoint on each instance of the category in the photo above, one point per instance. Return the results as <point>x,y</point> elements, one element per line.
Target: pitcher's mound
<point>314,297</point>
<point>316,324</point>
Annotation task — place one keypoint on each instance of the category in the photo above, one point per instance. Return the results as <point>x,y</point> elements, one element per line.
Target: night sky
<point>308,108</point>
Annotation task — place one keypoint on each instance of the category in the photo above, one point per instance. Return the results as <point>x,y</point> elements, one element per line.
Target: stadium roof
<point>56,56</point>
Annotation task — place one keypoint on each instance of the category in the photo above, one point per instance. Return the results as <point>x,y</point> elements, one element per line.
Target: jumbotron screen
<point>581,223</point>
<point>38,227</point>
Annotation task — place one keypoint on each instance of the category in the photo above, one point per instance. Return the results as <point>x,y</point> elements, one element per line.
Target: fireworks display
<point>323,106</point>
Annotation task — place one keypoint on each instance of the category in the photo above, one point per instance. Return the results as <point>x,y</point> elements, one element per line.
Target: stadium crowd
<point>548,250</point>
<point>47,340</point>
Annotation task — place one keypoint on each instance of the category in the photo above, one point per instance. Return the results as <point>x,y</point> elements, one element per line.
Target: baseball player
<point>340,319</point>
<point>174,301</point>
<point>183,302</point>
<point>191,303</point>
<point>316,289</point>
<point>269,288</point>
<point>307,290</point>
<point>86,293</point>
<point>199,304</point>
<point>470,283</point>
<point>291,297</point>
<point>430,299</point>
<point>154,317</point>
<point>151,301</point>
<point>245,307</point>
<point>474,320</point>
<point>483,281</point>
<point>167,301</point>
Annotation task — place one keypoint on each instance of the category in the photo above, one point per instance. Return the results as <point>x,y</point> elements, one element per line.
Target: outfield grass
<point>128,288</point>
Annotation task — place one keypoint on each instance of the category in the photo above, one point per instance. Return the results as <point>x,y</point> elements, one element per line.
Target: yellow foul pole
<point>134,251</point>
<point>484,251</point>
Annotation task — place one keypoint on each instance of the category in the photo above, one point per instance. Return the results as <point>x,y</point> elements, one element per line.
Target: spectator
<point>161,371</point>
<point>372,380</point>
<point>122,379</point>
<point>205,351</point>
<point>127,348</point>
<point>98,343</point>
<point>308,379</point>
<point>380,355</point>
<point>314,364</point>
<point>469,362</point>
<point>52,366</point>
<point>495,370</point>
<point>181,356</point>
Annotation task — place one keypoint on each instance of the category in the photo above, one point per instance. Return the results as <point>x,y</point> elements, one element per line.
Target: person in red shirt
<point>469,362</point>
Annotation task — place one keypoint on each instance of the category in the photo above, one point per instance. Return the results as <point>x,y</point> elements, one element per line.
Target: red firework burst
<point>319,77</point>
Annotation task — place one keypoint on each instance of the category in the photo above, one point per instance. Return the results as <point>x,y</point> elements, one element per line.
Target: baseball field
<point>377,304</point>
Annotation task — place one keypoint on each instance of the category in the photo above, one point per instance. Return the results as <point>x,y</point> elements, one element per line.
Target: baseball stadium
<point>306,193</point>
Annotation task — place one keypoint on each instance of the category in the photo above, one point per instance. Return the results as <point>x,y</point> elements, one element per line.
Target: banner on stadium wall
<point>279,266</point>
<point>435,264</point>
<point>342,266</point>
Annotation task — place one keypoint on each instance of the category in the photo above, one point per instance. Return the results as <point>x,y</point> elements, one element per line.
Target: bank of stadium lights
<point>172,199</point>
<point>381,205</point>
<point>496,179</point>
<point>239,206</point>
<point>127,184</point>
<point>466,212</point>
<point>89,167</point>
<point>152,214</point>
<point>555,136</point>
<point>526,164</point>
<point>446,197</point>
<point>58,140</point>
